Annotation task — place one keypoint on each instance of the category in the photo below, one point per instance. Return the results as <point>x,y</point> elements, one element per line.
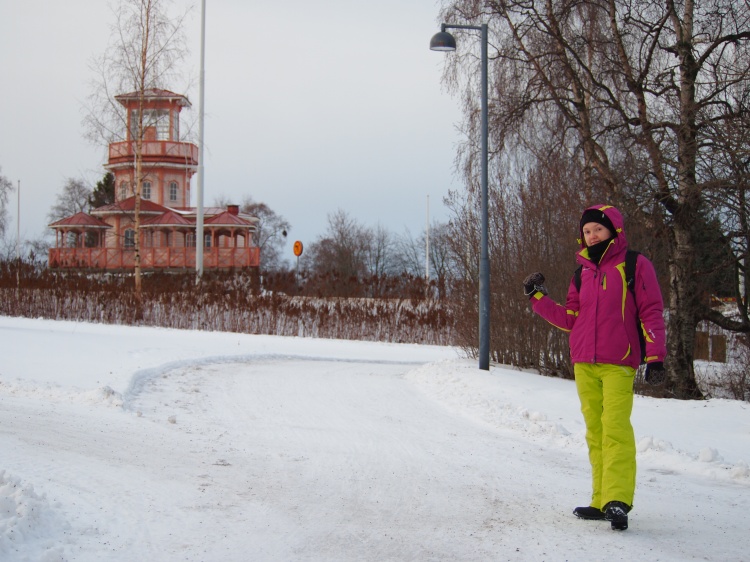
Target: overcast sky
<point>310,107</point>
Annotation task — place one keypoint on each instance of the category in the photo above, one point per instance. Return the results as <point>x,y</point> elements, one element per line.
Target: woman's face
<point>593,233</point>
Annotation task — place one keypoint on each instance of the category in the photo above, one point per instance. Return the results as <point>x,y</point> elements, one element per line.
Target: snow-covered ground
<point>125,444</point>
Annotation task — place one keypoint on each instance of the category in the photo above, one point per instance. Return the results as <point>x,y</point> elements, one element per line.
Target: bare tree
<point>271,233</point>
<point>342,249</point>
<point>410,257</point>
<point>633,90</point>
<point>380,252</point>
<point>73,199</point>
<point>442,266</point>
<point>410,254</point>
<point>147,47</point>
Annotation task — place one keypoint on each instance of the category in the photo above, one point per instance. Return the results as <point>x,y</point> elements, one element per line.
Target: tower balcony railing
<point>155,150</point>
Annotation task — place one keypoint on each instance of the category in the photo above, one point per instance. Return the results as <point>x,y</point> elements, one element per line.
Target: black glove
<point>534,283</point>
<point>655,373</point>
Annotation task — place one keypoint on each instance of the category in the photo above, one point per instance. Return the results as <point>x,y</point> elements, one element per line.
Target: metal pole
<point>201,104</point>
<point>427,245</point>
<point>18,238</point>
<point>441,44</point>
<point>484,261</point>
<point>18,224</point>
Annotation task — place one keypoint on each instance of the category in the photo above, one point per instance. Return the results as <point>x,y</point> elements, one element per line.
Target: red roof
<point>228,219</point>
<point>81,220</point>
<point>170,218</point>
<point>157,216</point>
<point>128,206</point>
<point>154,94</point>
<point>207,211</point>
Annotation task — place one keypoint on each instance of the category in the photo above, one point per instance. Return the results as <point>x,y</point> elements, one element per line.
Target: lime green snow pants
<point>606,394</point>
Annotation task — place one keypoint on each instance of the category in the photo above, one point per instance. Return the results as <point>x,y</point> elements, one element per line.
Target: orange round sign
<point>298,248</point>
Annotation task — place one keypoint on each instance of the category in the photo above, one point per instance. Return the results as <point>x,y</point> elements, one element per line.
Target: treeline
<point>244,302</point>
<point>644,104</point>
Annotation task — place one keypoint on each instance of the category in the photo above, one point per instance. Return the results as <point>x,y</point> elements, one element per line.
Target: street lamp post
<point>444,41</point>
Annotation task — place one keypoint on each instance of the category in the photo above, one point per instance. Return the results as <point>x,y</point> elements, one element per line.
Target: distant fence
<point>166,258</point>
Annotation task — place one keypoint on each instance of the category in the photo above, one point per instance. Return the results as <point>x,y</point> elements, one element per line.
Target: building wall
<point>160,179</point>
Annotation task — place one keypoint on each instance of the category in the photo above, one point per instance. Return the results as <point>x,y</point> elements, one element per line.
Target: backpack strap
<point>631,259</point>
<point>577,278</point>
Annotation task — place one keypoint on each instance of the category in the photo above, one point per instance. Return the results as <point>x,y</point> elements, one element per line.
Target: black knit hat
<point>598,216</point>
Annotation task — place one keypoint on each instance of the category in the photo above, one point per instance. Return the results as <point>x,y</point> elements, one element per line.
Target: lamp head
<point>443,41</point>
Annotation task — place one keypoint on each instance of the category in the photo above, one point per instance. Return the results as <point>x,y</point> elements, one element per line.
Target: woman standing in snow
<point>603,320</point>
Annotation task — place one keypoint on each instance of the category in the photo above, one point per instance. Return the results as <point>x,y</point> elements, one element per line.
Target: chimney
<point>233,209</point>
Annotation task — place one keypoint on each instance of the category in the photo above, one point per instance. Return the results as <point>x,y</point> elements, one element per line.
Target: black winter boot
<point>617,513</point>
<point>590,513</point>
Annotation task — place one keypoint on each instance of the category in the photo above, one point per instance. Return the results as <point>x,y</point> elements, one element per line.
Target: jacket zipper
<point>596,309</point>
<point>596,289</point>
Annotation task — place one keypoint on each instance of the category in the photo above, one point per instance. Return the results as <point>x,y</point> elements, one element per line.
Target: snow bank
<point>30,529</point>
<point>104,395</point>
<point>542,410</point>
<point>483,398</point>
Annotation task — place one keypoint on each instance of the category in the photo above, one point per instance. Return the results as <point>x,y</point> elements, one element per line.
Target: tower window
<point>173,191</point>
<point>146,192</point>
<point>123,190</point>
<point>152,118</point>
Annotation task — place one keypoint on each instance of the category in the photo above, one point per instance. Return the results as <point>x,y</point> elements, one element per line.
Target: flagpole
<point>199,242</point>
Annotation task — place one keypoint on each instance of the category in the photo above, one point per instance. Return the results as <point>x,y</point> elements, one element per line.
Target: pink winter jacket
<point>601,318</point>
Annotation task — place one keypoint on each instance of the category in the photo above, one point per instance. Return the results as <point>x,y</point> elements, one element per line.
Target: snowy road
<point>274,458</point>
<point>348,462</point>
